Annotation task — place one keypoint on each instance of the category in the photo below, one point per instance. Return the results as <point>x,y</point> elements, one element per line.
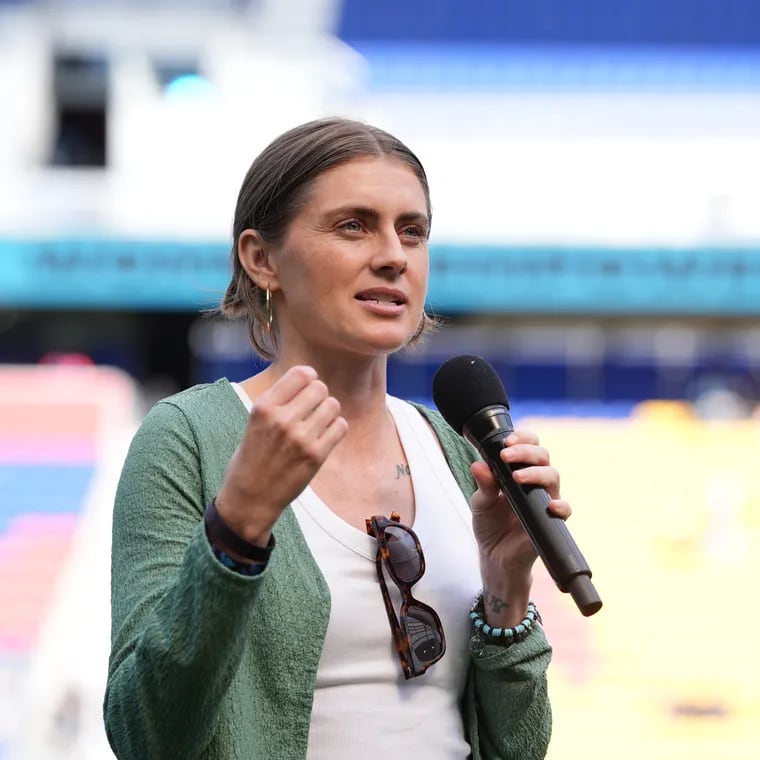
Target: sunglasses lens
<point>417,629</point>
<point>424,635</point>
<point>404,557</point>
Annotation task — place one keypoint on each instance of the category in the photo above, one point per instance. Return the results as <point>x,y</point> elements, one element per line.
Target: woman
<point>248,618</point>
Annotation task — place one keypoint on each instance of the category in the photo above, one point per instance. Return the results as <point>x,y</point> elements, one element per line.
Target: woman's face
<point>351,274</point>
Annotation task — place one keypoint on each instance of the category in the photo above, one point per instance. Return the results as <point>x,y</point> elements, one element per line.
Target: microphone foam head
<point>465,385</point>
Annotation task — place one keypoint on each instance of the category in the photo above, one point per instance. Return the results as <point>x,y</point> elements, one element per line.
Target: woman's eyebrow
<point>369,213</point>
<point>414,217</point>
<point>363,211</point>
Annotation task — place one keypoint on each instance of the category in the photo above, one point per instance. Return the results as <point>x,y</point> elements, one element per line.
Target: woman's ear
<point>255,258</point>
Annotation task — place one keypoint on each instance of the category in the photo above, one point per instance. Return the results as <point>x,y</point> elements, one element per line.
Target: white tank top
<point>363,706</point>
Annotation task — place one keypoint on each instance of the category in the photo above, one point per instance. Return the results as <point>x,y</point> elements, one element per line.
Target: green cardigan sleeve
<point>506,706</point>
<point>171,660</point>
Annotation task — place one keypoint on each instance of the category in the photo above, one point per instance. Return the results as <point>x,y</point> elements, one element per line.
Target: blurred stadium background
<point>594,168</point>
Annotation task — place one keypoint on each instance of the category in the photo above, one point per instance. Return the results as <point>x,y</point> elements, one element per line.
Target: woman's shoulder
<point>203,399</point>
<point>219,392</point>
<point>200,407</point>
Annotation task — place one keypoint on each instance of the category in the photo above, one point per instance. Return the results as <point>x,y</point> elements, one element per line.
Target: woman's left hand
<point>506,552</point>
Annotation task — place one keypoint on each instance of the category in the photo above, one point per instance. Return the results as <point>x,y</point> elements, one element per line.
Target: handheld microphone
<point>472,399</point>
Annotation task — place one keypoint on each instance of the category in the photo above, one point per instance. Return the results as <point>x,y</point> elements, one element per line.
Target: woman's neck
<point>360,386</point>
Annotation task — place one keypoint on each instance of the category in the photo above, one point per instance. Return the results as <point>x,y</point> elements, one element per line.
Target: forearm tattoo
<point>401,470</point>
<point>493,603</point>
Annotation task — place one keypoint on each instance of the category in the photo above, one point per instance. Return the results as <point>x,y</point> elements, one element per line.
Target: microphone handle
<point>547,532</point>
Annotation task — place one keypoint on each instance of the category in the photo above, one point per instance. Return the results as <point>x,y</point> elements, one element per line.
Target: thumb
<point>488,488</point>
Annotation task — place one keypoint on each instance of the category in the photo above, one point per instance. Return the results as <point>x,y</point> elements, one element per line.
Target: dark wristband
<point>223,537</point>
<point>237,566</point>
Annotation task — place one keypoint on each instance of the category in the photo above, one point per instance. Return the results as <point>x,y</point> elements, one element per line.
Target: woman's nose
<point>390,253</point>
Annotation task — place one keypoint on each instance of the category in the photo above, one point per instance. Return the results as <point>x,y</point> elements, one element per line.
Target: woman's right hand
<point>291,430</point>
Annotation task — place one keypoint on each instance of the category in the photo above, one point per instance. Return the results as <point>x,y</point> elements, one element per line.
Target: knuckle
<point>271,415</point>
<point>527,436</point>
<point>332,406</point>
<point>303,372</point>
<point>552,476</point>
<point>262,410</point>
<point>311,451</point>
<point>299,438</point>
<point>341,426</point>
<point>319,389</point>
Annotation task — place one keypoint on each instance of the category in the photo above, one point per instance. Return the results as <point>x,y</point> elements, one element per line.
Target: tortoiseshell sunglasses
<point>417,631</point>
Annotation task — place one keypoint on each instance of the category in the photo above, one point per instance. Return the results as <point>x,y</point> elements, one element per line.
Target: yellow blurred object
<point>666,513</point>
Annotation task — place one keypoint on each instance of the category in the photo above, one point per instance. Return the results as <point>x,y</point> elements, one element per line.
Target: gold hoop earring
<point>268,310</point>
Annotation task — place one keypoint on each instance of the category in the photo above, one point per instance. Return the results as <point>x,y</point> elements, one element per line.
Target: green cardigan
<point>207,663</point>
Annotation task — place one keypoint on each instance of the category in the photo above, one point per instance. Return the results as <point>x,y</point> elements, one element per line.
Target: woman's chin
<point>392,340</point>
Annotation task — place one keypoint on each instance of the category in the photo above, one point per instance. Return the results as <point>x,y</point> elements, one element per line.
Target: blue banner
<point>113,274</point>
<point>550,280</point>
<point>184,276</point>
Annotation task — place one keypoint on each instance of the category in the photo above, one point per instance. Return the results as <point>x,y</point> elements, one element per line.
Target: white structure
<point>622,168</point>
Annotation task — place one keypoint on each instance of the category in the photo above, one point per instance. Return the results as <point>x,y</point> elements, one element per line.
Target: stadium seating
<point>63,432</point>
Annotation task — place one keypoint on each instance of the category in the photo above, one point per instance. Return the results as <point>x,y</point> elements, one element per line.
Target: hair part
<point>276,187</point>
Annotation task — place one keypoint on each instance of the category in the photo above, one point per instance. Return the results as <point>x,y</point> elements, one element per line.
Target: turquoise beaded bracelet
<point>501,636</point>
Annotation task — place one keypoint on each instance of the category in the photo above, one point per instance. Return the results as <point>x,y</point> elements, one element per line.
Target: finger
<point>298,428</point>
<point>321,417</point>
<point>319,432</point>
<point>332,435</point>
<point>291,383</point>
<point>316,448</point>
<point>290,414</point>
<point>521,436</point>
<point>561,508</point>
<point>485,480</point>
<point>306,401</point>
<point>545,477</point>
<point>524,453</point>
